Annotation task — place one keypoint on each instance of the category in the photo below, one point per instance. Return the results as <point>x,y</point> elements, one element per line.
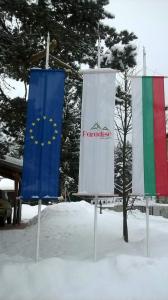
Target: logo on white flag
<point>96,131</point>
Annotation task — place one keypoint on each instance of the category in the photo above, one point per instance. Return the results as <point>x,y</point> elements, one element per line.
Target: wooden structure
<point>12,168</point>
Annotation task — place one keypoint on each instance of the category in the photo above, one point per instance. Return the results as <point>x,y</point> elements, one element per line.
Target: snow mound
<point>48,212</point>
<point>72,206</point>
<point>29,212</point>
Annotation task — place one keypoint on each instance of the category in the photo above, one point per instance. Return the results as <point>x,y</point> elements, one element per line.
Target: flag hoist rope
<point>39,201</point>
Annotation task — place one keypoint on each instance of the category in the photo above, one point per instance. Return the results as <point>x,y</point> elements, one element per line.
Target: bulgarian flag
<point>150,171</point>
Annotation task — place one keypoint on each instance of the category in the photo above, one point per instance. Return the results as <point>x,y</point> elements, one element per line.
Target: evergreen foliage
<point>71,135</point>
<point>24,27</point>
<point>119,168</point>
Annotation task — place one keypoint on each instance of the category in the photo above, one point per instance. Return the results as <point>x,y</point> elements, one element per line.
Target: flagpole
<point>144,61</point>
<point>95,228</point>
<point>147,227</point>
<point>99,45</point>
<point>39,202</point>
<point>38,231</point>
<point>146,198</point>
<point>47,51</point>
<point>96,197</point>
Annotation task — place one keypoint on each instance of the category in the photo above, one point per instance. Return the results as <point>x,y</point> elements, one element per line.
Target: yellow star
<point>49,142</point>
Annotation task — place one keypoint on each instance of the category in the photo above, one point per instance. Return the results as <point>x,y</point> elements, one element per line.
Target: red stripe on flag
<point>161,170</point>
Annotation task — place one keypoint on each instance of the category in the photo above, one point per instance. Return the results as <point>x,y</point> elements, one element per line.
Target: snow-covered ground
<point>66,270</point>
<point>29,212</point>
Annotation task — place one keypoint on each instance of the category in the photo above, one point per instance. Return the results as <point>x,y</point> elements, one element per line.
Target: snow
<point>14,160</point>
<point>66,270</point>
<point>13,88</point>
<point>6,184</point>
<point>29,212</point>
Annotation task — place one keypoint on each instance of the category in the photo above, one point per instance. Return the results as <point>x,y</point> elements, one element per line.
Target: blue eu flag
<point>41,159</point>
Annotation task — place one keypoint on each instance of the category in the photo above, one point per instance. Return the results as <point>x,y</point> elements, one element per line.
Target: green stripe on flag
<point>148,136</point>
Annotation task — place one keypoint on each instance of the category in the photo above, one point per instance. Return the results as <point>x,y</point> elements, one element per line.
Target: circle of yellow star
<point>35,123</point>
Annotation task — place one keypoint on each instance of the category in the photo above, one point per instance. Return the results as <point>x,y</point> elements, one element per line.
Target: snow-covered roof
<point>14,161</point>
<point>10,166</point>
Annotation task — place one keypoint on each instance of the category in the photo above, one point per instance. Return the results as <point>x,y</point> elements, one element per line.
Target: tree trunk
<point>125,226</point>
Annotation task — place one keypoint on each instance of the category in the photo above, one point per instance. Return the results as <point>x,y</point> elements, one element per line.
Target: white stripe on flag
<point>166,90</point>
<point>137,138</point>
<point>96,170</point>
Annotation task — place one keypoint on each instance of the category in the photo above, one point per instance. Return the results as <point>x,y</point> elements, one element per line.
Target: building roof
<point>11,167</point>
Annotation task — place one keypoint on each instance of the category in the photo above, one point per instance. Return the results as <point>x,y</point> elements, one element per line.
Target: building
<point>11,168</point>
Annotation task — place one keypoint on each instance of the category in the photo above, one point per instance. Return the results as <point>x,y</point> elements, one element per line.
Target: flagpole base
<point>38,231</point>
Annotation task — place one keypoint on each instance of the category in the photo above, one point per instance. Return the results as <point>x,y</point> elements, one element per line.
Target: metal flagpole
<point>144,61</point>
<point>96,197</point>
<point>98,62</point>
<point>147,227</point>
<point>147,198</point>
<point>38,231</point>
<point>47,51</point>
<point>95,228</point>
<point>39,202</point>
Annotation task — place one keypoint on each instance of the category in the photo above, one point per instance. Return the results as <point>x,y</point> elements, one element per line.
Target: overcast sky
<point>148,19</point>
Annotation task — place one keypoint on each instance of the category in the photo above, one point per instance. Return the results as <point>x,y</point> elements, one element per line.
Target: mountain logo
<point>96,126</point>
<point>97,131</point>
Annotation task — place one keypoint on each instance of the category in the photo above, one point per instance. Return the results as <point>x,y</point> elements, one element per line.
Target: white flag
<point>96,169</point>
